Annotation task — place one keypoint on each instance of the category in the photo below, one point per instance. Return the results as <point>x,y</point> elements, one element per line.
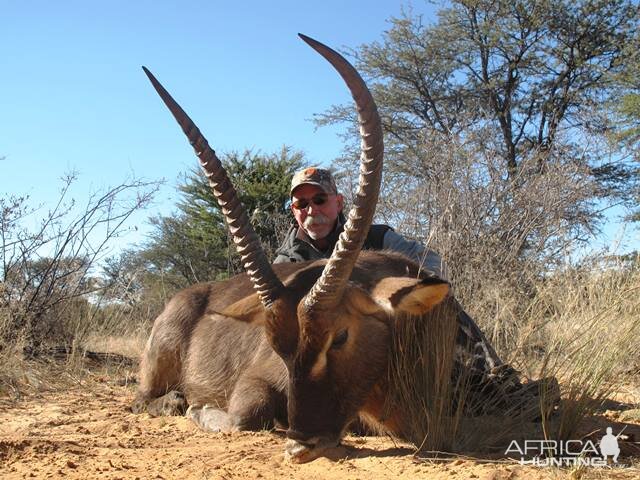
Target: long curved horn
<point>253,256</point>
<point>327,291</point>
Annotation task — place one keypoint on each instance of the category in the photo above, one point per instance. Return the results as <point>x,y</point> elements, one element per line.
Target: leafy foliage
<point>193,244</point>
<point>497,121</point>
<point>626,106</point>
<point>528,69</point>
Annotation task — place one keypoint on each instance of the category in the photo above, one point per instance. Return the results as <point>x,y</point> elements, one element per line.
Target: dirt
<point>85,431</point>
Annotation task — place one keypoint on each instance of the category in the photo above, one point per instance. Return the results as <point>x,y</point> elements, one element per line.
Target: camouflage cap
<point>314,176</point>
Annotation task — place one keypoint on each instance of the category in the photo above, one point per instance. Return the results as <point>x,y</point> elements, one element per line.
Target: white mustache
<point>318,219</point>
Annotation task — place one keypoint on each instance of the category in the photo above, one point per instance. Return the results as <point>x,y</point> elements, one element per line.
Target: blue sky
<point>74,97</point>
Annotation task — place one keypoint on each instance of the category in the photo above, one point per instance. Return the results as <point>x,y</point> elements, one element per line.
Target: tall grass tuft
<point>421,367</point>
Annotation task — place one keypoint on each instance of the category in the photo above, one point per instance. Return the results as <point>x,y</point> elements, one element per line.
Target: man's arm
<point>429,259</point>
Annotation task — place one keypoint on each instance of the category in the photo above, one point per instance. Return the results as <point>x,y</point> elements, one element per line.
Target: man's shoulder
<point>375,237</point>
<point>290,236</point>
<point>381,226</point>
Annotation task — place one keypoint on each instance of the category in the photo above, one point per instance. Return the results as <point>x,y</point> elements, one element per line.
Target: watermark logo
<point>568,453</point>
<point>609,446</point>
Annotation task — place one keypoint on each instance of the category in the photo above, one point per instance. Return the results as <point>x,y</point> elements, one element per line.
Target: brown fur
<point>242,367</point>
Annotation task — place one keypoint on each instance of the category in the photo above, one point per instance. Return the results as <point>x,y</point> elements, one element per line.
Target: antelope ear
<point>415,296</point>
<point>248,310</point>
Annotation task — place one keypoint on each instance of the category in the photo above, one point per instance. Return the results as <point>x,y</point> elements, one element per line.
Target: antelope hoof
<point>297,452</point>
<point>171,404</point>
<point>211,419</point>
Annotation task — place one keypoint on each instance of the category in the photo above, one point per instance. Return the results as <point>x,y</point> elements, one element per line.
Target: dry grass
<point>127,346</point>
<point>591,332</point>
<point>582,327</point>
<point>86,340</point>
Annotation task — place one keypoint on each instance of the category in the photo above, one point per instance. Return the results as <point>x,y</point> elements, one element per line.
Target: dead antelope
<point>309,348</point>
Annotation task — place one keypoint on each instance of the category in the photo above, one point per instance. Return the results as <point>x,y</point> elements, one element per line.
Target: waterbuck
<point>304,345</point>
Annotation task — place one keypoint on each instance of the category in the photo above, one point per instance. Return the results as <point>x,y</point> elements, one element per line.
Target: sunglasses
<point>317,200</point>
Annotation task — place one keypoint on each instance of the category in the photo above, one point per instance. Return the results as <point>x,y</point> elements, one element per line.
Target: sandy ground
<point>85,431</point>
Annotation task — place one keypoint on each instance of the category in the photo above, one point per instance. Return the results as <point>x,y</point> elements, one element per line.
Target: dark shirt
<point>297,246</point>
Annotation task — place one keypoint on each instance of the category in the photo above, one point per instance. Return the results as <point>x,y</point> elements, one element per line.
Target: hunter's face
<point>315,210</point>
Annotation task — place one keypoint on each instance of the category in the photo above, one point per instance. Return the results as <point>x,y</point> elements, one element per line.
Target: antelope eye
<point>340,339</point>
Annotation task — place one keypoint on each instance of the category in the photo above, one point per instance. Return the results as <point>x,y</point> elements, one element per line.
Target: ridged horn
<point>327,291</point>
<point>253,256</point>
